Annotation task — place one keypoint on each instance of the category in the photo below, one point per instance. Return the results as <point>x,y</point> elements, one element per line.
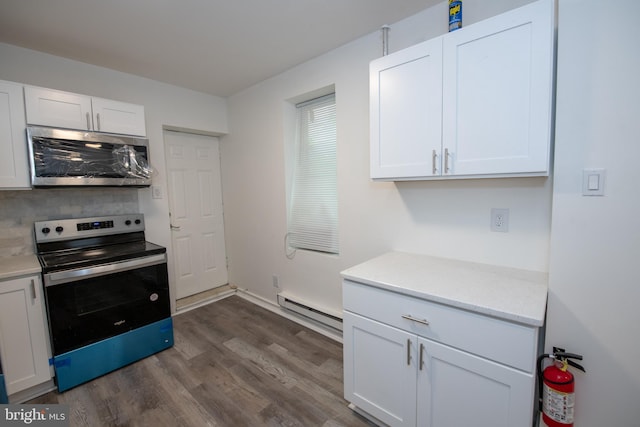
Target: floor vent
<point>304,309</point>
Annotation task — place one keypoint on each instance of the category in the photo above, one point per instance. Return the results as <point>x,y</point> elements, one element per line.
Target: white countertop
<point>506,293</point>
<point>18,266</point>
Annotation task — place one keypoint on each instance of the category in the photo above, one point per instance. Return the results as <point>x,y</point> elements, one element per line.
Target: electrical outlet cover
<point>500,220</point>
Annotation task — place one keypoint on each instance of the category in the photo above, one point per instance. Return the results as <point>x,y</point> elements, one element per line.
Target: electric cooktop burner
<point>83,242</point>
<point>78,258</point>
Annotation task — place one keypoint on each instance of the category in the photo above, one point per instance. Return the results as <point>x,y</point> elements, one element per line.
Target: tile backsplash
<point>20,209</point>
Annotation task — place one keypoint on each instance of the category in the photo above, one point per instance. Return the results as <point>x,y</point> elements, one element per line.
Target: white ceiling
<point>214,46</point>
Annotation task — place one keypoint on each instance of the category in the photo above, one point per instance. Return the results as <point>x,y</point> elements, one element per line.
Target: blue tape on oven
<point>59,363</point>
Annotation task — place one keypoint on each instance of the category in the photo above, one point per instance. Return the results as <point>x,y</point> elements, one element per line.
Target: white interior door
<point>195,203</point>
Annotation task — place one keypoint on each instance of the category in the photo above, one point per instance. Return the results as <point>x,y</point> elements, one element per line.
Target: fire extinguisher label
<point>558,405</point>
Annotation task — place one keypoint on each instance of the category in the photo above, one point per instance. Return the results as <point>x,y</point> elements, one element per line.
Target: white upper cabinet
<point>406,112</point>
<point>118,117</point>
<point>49,107</point>
<point>14,166</point>
<point>495,91</point>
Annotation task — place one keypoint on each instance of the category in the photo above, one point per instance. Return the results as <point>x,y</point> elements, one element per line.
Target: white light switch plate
<point>593,182</point>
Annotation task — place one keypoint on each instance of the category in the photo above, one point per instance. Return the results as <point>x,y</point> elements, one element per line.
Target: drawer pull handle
<point>413,319</point>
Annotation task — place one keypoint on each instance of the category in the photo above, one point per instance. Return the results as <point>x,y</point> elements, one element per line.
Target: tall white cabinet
<point>437,343</point>
<point>14,170</point>
<point>476,102</point>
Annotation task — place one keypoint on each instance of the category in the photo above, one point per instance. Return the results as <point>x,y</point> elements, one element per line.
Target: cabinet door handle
<point>98,120</point>
<point>434,156</point>
<point>88,121</point>
<point>446,160</point>
<point>413,319</point>
<point>421,361</point>
<point>33,289</point>
<point>408,351</point>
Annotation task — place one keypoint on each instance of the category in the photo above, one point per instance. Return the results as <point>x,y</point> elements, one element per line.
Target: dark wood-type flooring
<point>233,364</point>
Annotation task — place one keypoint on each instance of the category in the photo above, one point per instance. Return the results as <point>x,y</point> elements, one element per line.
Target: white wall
<point>595,242</point>
<point>594,288</point>
<point>444,218</point>
<point>165,105</point>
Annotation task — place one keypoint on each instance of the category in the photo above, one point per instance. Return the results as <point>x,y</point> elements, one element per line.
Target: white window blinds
<point>313,215</point>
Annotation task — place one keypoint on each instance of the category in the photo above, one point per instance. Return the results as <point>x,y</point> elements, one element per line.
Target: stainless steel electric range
<point>107,294</point>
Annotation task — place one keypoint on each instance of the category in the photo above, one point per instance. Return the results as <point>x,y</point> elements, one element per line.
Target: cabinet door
<point>497,92</point>
<point>380,370</point>
<point>118,117</point>
<point>14,166</point>
<point>459,389</point>
<point>406,112</point>
<point>48,107</point>
<point>23,334</point>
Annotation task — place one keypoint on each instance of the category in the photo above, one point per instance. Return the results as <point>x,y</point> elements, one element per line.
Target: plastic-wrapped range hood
<point>63,157</point>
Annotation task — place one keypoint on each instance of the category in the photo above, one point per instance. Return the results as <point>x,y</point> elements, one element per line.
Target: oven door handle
<point>58,278</point>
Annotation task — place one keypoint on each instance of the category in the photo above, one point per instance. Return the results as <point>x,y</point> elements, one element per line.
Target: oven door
<point>91,304</point>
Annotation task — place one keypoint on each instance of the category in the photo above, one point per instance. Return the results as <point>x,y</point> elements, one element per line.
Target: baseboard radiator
<point>304,309</point>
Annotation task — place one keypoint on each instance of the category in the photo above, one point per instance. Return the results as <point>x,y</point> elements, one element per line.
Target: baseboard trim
<point>205,301</point>
<point>33,392</point>
<point>363,414</point>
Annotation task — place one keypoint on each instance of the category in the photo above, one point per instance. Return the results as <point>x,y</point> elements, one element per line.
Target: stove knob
<point>46,230</point>
<point>138,222</point>
<point>59,229</point>
<point>127,222</point>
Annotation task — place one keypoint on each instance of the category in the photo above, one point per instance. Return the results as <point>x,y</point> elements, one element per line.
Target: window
<point>313,210</point>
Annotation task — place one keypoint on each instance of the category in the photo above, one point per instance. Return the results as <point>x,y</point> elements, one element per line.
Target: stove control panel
<point>68,229</point>
<point>96,225</point>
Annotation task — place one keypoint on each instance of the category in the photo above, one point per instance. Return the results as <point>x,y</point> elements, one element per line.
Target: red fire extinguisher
<point>557,388</point>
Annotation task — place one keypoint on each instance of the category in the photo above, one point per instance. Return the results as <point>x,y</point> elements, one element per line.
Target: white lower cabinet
<point>456,388</point>
<point>405,367</point>
<point>24,347</point>
<point>379,377</point>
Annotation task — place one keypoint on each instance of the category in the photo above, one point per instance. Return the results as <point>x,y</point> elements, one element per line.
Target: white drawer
<point>499,340</point>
